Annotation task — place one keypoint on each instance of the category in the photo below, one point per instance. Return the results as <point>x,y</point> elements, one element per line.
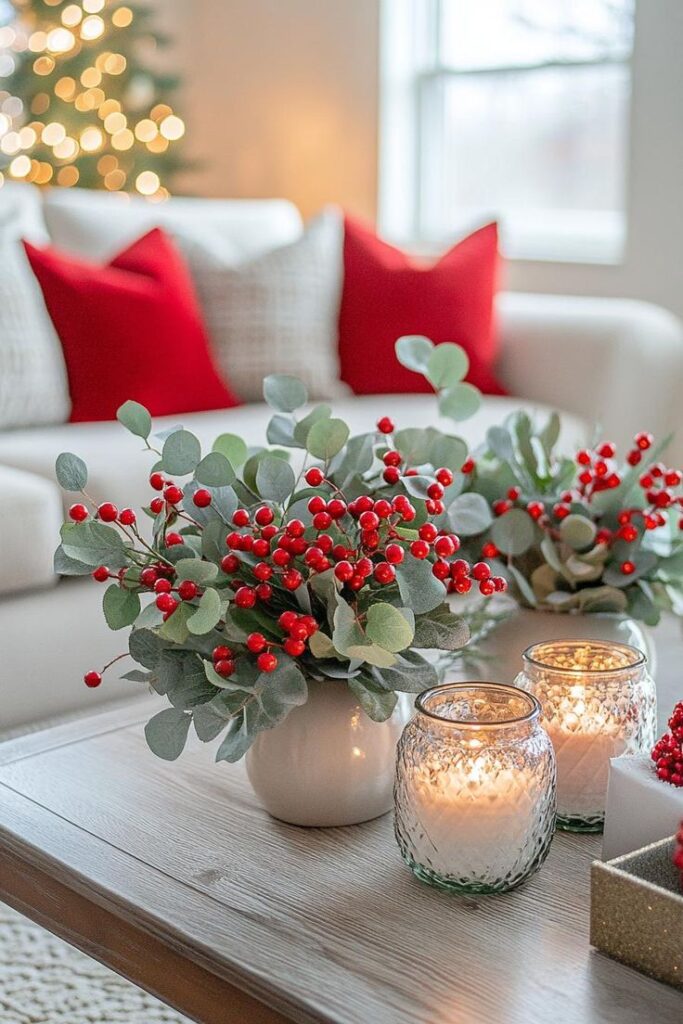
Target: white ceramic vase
<point>502,650</point>
<point>328,763</point>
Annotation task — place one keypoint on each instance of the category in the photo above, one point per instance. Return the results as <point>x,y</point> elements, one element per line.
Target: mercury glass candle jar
<point>475,788</point>
<point>598,702</point>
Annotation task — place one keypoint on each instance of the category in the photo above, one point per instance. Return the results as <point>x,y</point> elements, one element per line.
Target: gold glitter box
<point>637,911</point>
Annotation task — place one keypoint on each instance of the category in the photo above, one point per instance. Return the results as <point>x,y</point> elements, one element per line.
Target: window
<point>513,109</point>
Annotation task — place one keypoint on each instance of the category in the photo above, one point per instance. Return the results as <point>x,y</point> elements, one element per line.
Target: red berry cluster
<point>297,630</point>
<point>667,752</point>
<point>106,512</point>
<point>678,852</point>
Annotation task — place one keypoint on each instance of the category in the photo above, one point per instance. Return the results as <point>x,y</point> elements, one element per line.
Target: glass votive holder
<point>599,701</point>
<point>475,788</point>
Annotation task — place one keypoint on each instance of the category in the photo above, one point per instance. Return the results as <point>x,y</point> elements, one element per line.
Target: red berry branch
<point>667,752</point>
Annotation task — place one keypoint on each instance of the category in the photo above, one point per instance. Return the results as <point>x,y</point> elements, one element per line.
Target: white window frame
<point>410,70</point>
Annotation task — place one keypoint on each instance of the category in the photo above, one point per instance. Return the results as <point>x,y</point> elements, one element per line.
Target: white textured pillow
<point>277,313</point>
<point>33,383</point>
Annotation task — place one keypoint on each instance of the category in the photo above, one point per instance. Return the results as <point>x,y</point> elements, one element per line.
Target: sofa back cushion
<point>277,313</point>
<point>387,295</point>
<point>96,225</point>
<point>130,329</point>
<point>33,383</point>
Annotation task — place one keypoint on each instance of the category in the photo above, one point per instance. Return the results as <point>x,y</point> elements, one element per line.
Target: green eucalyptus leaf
<point>514,532</point>
<point>448,451</point>
<point>413,352</point>
<point>321,646</point>
<point>214,470</point>
<point>327,437</point>
<point>389,627</point>
<point>550,433</point>
<point>278,693</point>
<point>644,562</point>
<point>347,631</point>
<point>121,607</point>
<point>284,393</point>
<point>470,514</point>
<point>181,453</point>
<point>146,647</point>
<point>577,531</point>
<point>412,673</point>
<point>372,654</point>
<point>196,569</point>
<point>281,431</point>
<point>65,566</point>
<point>417,486</point>
<point>175,628</point>
<point>166,733</point>
<point>303,427</point>
<point>94,544</point>
<point>377,703</point>
<point>135,418</point>
<point>237,740</point>
<point>232,447</point>
<point>525,589</point>
<point>71,472</point>
<point>419,588</point>
<point>447,365</point>
<point>441,629</point>
<point>415,444</point>
<point>275,480</point>
<point>207,613</point>
<point>602,599</point>
<point>459,402</point>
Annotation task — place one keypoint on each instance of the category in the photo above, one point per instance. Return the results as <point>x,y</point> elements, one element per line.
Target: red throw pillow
<point>130,329</point>
<point>387,295</point>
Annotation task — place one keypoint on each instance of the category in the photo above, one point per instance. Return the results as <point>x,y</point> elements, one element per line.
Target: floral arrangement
<point>259,574</point>
<point>586,534</point>
<point>667,752</point>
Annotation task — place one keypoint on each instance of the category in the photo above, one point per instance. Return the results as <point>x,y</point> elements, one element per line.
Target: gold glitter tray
<point>637,911</point>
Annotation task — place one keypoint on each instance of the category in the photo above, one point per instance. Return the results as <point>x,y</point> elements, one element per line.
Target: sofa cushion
<point>119,469</point>
<point>23,204</point>
<point>30,518</point>
<point>130,329</point>
<point>277,313</point>
<point>95,225</point>
<point>33,384</point>
<point>386,295</point>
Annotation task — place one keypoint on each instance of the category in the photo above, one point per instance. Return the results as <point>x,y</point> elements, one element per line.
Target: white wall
<point>281,98</point>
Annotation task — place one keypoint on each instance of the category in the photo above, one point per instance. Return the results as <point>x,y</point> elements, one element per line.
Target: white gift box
<point>641,809</point>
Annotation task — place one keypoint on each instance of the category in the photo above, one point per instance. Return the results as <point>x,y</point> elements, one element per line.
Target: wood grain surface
<point>172,875</point>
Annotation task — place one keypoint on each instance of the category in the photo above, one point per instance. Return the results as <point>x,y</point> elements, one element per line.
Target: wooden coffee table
<point>173,876</point>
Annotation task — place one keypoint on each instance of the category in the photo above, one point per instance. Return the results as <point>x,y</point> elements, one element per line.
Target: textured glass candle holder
<point>598,701</point>
<point>475,788</point>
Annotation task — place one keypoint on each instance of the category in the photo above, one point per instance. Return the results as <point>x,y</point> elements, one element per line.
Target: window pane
<point>528,146</point>
<point>508,33</point>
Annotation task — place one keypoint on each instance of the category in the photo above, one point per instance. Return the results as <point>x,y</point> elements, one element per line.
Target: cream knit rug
<point>45,981</point>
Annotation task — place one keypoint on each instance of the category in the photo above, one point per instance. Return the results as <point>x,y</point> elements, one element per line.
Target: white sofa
<point>617,362</point>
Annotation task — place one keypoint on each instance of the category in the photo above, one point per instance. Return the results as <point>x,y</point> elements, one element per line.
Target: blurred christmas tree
<point>79,101</point>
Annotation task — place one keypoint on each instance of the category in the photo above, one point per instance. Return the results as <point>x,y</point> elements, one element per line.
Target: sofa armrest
<point>616,362</point>
<point>30,517</point>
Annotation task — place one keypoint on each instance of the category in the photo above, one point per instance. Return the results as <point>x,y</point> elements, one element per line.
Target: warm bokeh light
<point>20,166</point>
<point>65,88</point>
<point>91,139</point>
<point>68,176</point>
<point>93,6</point>
<point>60,40</point>
<point>53,133</point>
<point>115,180</point>
<point>67,149</point>
<point>91,77</point>
<point>115,122</point>
<point>145,130</point>
<point>123,140</point>
<point>122,17</point>
<point>92,27</point>
<point>147,183</point>
<point>44,66</point>
<point>72,16</point>
<point>172,128</point>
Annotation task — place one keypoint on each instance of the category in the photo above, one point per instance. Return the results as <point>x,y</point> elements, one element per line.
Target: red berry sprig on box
<point>678,852</point>
<point>667,752</point>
